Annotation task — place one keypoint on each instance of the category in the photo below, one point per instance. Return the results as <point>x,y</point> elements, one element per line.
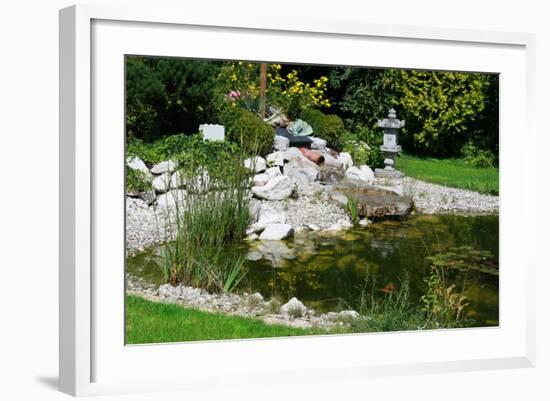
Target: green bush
<point>364,147</point>
<point>136,181</point>
<point>329,127</point>
<point>248,131</point>
<point>168,95</point>
<point>477,157</point>
<point>190,152</point>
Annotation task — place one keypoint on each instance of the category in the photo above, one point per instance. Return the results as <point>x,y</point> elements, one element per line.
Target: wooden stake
<point>263,84</point>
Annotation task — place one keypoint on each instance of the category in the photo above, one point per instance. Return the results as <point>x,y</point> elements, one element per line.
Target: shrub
<point>136,181</point>
<point>477,157</point>
<point>190,151</point>
<point>168,95</point>
<point>364,147</point>
<point>329,127</point>
<point>248,131</point>
<point>441,109</point>
<point>239,83</point>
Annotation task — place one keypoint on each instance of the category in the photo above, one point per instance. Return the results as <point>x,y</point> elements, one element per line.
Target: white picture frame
<point>92,361</point>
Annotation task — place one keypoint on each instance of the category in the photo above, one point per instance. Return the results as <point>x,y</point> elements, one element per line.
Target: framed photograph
<point>339,199</point>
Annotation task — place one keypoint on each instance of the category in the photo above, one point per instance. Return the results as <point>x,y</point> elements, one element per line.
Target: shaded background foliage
<point>448,114</point>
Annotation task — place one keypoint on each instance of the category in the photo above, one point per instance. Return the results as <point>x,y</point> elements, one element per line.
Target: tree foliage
<point>166,96</point>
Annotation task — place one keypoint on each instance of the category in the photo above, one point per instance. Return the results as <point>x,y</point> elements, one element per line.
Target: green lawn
<point>152,322</point>
<point>450,172</point>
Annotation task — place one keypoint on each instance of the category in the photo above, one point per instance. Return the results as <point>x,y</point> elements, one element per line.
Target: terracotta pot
<point>312,155</point>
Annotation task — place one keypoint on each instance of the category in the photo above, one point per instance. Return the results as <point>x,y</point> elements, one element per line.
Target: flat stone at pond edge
<point>374,202</point>
<point>276,232</point>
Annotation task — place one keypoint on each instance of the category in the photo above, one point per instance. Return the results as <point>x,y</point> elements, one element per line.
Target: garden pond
<point>330,271</point>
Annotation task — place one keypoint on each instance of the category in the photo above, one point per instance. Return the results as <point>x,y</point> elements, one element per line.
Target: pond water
<point>330,271</point>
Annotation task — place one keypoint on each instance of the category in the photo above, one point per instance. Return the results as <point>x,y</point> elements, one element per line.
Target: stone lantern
<point>390,148</point>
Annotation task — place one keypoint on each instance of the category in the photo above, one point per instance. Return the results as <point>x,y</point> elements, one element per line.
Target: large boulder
<point>345,159</point>
<point>161,183</point>
<point>318,144</point>
<point>277,188</point>
<point>135,163</point>
<point>265,215</point>
<point>275,159</point>
<point>168,166</point>
<point>363,173</point>
<point>273,172</point>
<point>276,252</point>
<point>373,202</point>
<point>304,172</point>
<point>293,154</point>
<point>260,179</point>
<point>256,164</point>
<point>269,216</point>
<point>332,161</point>
<point>276,232</point>
<point>171,199</point>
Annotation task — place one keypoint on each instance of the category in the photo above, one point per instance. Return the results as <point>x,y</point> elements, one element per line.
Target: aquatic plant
<point>442,304</point>
<point>352,209</point>
<point>214,213</point>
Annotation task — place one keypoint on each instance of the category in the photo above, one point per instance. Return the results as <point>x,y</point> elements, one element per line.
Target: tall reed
<point>214,213</point>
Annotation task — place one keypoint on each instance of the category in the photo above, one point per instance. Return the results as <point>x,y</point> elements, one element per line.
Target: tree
<point>167,95</point>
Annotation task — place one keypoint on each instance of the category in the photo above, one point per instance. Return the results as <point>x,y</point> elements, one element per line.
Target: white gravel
<point>437,199</point>
<point>248,305</point>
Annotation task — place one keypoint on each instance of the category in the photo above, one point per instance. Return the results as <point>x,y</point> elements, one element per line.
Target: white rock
<point>275,159</point>
<point>168,166</point>
<point>276,252</point>
<point>367,171</point>
<point>313,227</point>
<point>256,164</point>
<point>348,315</point>
<point>269,216</point>
<point>135,163</point>
<point>251,237</point>
<point>277,188</point>
<point>280,143</point>
<point>364,222</point>
<point>345,159</point>
<point>331,161</point>
<point>273,172</point>
<point>339,226</point>
<point>293,308</point>
<point>177,180</point>
<point>362,174</point>
<point>161,183</point>
<point>171,198</point>
<point>274,232</point>
<point>318,143</point>
<point>293,154</point>
<point>304,172</point>
<point>260,179</point>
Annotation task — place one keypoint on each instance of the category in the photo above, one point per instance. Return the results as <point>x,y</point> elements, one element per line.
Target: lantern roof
<point>391,121</point>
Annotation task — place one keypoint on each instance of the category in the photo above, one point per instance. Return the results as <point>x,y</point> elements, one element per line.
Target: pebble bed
<point>438,199</point>
<point>246,305</point>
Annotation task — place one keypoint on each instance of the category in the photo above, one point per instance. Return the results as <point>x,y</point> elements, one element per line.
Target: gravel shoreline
<point>293,313</point>
<point>147,226</point>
